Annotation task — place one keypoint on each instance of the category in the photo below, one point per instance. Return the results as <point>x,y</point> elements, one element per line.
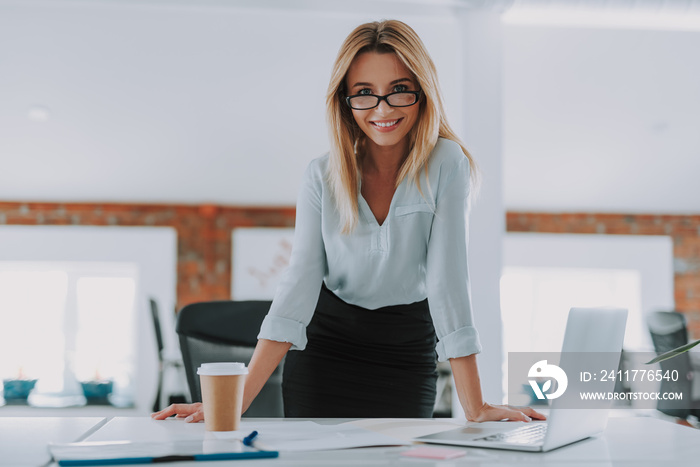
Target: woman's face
<point>381,74</point>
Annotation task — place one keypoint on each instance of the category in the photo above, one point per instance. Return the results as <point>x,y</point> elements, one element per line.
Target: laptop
<point>599,330</point>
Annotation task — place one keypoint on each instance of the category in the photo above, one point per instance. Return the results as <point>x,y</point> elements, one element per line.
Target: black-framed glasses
<point>395,99</point>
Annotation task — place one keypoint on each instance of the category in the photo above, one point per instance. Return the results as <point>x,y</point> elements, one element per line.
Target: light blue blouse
<point>419,251</point>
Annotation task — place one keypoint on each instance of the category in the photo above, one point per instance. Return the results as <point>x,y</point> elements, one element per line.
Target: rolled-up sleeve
<point>447,272</point>
<point>297,294</point>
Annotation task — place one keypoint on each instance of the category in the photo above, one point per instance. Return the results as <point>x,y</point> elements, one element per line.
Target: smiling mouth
<point>387,123</point>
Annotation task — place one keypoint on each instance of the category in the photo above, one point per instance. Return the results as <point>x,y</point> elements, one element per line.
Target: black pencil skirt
<point>361,363</point>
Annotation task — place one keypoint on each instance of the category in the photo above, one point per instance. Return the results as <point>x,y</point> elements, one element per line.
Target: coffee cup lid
<point>222,369</point>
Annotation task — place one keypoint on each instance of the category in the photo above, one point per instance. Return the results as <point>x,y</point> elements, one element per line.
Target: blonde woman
<point>378,280</point>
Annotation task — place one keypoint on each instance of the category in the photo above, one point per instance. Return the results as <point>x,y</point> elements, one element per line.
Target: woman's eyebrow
<point>396,81</point>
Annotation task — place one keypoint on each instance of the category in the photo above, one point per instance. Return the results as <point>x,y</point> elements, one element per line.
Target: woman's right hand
<point>192,413</point>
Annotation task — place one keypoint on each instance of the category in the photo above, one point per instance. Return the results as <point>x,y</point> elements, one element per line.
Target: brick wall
<point>684,230</point>
<point>203,234</point>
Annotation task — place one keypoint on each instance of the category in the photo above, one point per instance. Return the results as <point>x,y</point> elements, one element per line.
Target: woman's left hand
<point>490,412</point>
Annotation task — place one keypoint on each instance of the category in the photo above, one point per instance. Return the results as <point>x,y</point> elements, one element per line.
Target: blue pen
<point>248,440</point>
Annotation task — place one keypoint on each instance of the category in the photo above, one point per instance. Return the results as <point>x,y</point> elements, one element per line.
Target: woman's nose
<point>383,107</point>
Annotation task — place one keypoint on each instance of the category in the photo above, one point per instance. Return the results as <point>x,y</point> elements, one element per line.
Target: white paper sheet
<point>405,428</point>
<point>310,436</point>
<point>272,435</point>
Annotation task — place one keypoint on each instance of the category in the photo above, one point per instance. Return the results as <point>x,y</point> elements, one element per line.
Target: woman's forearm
<point>266,357</point>
<point>468,384</point>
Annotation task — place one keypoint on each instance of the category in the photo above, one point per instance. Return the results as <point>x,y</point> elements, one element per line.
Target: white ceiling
<point>143,101</point>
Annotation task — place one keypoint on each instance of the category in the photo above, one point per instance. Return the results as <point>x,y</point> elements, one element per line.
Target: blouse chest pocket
<point>412,209</point>
<point>414,223</point>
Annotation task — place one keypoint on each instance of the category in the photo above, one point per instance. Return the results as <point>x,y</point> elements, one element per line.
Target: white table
<point>629,441</point>
<point>24,440</point>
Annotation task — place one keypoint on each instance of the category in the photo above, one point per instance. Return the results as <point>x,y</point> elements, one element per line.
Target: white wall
<point>152,249</point>
<point>601,120</point>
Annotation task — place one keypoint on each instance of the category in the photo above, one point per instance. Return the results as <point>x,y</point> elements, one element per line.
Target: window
<point>544,272</point>
<point>32,310</point>
<point>105,327</point>
<point>67,323</point>
<point>544,275</point>
<point>536,301</point>
<point>148,255</point>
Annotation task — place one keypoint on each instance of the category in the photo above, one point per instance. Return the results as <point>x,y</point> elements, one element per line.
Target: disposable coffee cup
<point>222,394</point>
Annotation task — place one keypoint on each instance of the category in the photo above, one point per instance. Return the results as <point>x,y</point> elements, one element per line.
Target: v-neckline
<point>369,215</point>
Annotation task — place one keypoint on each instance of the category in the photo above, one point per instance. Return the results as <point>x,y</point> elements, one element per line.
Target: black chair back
<point>226,331</point>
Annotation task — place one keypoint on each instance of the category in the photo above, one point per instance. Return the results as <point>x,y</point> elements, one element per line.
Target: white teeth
<point>384,125</point>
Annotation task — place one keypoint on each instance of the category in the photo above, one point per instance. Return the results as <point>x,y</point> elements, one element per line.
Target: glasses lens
<point>363,102</point>
<point>402,99</point>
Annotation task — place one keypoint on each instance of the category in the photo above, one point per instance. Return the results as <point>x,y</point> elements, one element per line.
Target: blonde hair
<point>347,139</point>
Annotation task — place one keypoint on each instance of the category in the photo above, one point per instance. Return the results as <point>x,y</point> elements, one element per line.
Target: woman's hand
<point>468,387</point>
<point>266,357</point>
<point>490,412</point>
<point>192,413</point>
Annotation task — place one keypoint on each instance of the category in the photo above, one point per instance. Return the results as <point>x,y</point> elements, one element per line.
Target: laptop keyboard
<point>528,434</point>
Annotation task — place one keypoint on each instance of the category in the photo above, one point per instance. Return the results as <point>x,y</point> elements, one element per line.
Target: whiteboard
<point>260,257</point>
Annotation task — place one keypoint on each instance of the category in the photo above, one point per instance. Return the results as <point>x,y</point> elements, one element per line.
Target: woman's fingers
<point>180,410</point>
<point>506,412</point>
<point>529,411</point>
<point>198,416</point>
<point>533,413</point>
<point>513,414</point>
<point>165,413</point>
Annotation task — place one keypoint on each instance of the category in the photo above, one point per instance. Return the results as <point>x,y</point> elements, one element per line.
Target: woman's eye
<point>400,88</point>
<point>365,92</point>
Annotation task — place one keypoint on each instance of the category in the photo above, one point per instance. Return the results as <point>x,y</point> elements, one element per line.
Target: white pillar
<point>481,57</point>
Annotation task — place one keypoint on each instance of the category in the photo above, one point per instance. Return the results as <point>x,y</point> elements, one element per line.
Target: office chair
<point>226,331</point>
<point>668,331</point>
<point>163,362</point>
